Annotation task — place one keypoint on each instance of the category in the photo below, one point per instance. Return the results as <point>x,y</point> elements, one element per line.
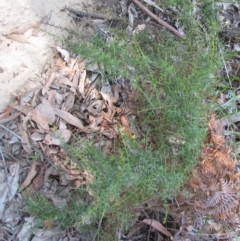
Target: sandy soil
<point>21,64</point>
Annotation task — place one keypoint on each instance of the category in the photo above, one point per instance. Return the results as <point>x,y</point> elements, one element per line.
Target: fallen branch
<point>159,20</point>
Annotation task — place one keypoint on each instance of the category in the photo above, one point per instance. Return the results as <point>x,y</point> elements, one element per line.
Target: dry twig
<point>169,27</point>
<point>4,127</point>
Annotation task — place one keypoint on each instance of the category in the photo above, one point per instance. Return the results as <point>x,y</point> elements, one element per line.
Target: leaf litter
<point>72,100</point>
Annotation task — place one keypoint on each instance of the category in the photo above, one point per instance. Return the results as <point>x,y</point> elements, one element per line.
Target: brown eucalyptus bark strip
<point>159,20</point>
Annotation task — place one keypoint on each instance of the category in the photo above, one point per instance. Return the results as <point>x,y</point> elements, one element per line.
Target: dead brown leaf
<point>68,104</point>
<point>76,78</point>
<point>21,29</point>
<point>31,174</point>
<point>35,97</point>
<point>59,98</point>
<point>82,83</point>
<point>48,224</point>
<point>6,113</point>
<point>36,137</point>
<point>9,118</point>
<point>27,97</point>
<point>94,125</point>
<point>25,142</point>
<point>51,97</point>
<point>230,119</point>
<point>57,137</point>
<point>49,82</point>
<point>40,119</point>
<point>38,180</point>
<point>158,226</point>
<point>64,70</point>
<point>69,118</point>
<point>107,94</point>
<point>47,110</point>
<point>64,53</point>
<point>126,126</point>
<point>17,37</point>
<point>25,120</point>
<point>23,108</point>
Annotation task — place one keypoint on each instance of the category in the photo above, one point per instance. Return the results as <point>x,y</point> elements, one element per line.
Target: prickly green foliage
<point>182,71</point>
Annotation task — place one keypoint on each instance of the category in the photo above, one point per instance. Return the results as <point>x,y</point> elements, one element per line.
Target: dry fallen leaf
<point>10,217</point>
<point>94,125</point>
<point>51,97</point>
<point>26,97</point>
<point>9,118</point>
<point>68,104</point>
<point>31,174</point>
<point>230,119</point>
<point>93,67</point>
<point>9,186</point>
<point>62,125</point>
<point>26,230</point>
<point>35,97</point>
<point>21,29</point>
<point>40,119</point>
<point>158,226</point>
<point>76,78</point>
<point>59,98</point>
<point>57,137</point>
<point>108,96</point>
<point>64,53</point>
<point>126,126</point>
<point>23,108</point>
<point>47,110</point>
<point>17,37</point>
<point>6,113</point>
<point>38,180</point>
<point>48,83</point>
<point>69,118</point>
<point>25,142</point>
<point>139,29</point>
<point>48,224</point>
<point>36,137</point>
<point>82,83</point>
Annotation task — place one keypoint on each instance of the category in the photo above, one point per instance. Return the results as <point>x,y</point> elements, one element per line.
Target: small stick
<point>159,20</point>
<point>10,131</point>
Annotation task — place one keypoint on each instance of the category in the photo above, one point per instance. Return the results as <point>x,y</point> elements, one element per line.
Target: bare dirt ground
<point>37,25</point>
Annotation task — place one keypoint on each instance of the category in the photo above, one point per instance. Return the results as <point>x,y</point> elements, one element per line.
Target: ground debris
<point>79,103</point>
<point>73,102</point>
